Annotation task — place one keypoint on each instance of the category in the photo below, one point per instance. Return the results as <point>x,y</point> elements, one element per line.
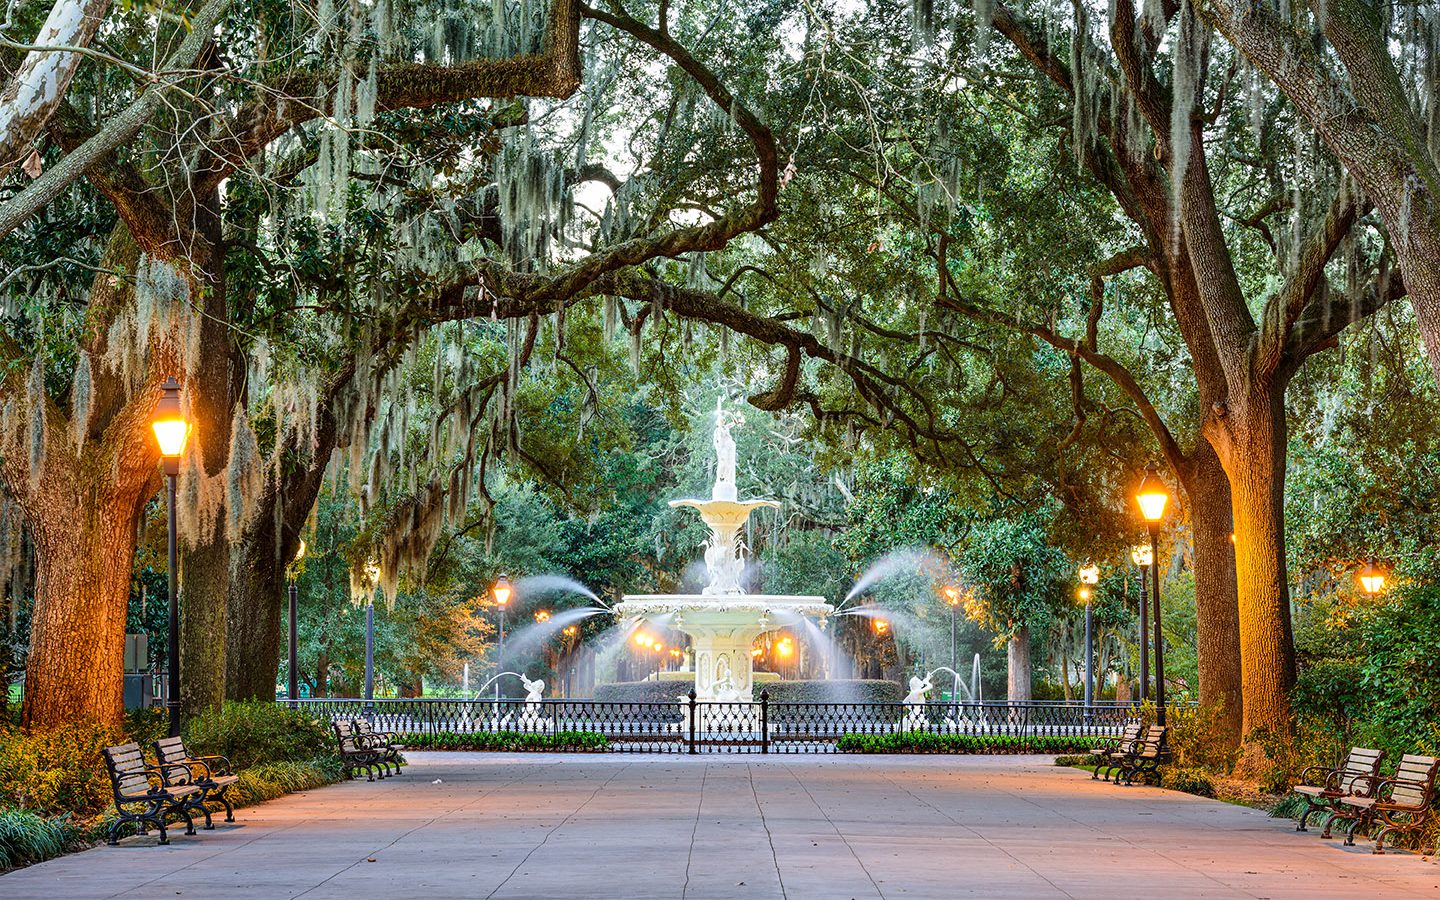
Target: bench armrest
<point>215,764</point>
<point>1385,788</point>
<point>1325,775</point>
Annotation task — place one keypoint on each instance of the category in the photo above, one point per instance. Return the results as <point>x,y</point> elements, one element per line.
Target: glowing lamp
<point>542,615</point>
<point>1152,496</point>
<point>952,595</point>
<point>1089,573</point>
<point>502,590</point>
<point>1083,595</point>
<point>1140,554</point>
<point>1372,579</point>
<point>881,626</point>
<point>170,426</point>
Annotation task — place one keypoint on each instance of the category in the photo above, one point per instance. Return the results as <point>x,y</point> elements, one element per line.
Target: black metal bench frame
<point>383,742</point>
<point>1103,753</point>
<point>355,754</point>
<point>1383,807</point>
<point>1150,753</point>
<point>1357,776</point>
<point>212,774</point>
<point>127,768</point>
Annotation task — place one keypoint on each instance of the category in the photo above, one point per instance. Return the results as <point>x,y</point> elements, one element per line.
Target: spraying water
<point>898,562</point>
<point>531,636</point>
<point>538,585</point>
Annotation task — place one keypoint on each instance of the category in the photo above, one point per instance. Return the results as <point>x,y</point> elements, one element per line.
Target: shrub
<point>643,691</point>
<point>27,838</point>
<point>57,770</point>
<point>1078,759</point>
<point>506,741</point>
<point>274,779</point>
<point>1189,780</point>
<point>1200,739</point>
<point>926,742</point>
<point>255,732</point>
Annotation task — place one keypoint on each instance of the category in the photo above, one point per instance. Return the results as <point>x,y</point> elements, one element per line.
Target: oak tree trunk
<point>1017,653</point>
<point>1217,611</point>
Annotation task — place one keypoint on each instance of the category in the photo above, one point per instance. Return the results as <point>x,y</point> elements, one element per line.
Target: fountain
<point>722,620</point>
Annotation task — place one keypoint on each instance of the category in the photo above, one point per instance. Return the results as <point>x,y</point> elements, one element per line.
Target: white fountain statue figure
<point>914,701</point>
<point>723,620</point>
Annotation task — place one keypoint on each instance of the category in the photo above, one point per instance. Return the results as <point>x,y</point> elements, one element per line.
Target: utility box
<point>137,652</point>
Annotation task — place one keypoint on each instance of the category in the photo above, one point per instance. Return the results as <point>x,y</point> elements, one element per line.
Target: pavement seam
<point>770,838</point>
<point>398,838</point>
<point>573,813</point>
<point>838,833</point>
<point>690,857</point>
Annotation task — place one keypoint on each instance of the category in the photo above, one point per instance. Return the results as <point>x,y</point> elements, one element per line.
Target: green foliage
<point>26,837</point>
<point>56,771</point>
<point>1199,739</point>
<point>269,780</point>
<point>505,741</point>
<point>1077,760</point>
<point>643,691</point>
<point>251,733</point>
<point>927,742</point>
<point>839,690</point>
<point>1189,780</point>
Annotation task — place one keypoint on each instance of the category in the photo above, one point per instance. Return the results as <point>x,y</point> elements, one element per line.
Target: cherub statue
<point>534,690</point>
<point>918,688</point>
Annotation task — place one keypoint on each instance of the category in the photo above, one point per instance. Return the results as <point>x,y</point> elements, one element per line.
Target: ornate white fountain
<point>722,620</point>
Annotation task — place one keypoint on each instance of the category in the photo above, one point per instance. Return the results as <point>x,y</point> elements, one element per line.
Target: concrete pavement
<point>605,826</point>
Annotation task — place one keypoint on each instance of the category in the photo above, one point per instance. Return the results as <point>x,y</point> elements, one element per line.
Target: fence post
<point>764,721</point>
<point>692,720</point>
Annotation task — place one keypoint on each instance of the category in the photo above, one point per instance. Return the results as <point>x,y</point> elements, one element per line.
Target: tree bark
<point>1017,654</point>
<point>1251,437</point>
<point>1217,612</point>
<point>75,672</point>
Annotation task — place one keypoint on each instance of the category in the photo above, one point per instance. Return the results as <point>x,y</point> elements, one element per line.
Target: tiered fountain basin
<point>722,629</point>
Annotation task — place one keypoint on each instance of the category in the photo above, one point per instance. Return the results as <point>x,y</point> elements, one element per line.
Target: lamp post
<point>1089,577</point>
<point>171,431</point>
<point>1153,496</point>
<point>501,591</point>
<point>1144,557</point>
<point>294,655</point>
<point>1371,578</point>
<point>952,600</point>
<point>372,573</point>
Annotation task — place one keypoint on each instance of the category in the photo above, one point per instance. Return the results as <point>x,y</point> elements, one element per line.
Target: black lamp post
<point>1152,497</point>
<point>1143,557</point>
<point>1089,577</point>
<point>171,431</point>
<point>501,591</point>
<point>294,655</point>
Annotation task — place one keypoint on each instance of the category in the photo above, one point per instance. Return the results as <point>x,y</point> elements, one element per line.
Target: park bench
<point>212,774</point>
<point>1322,786</point>
<point>142,795</point>
<point>383,741</point>
<point>1400,803</point>
<point>355,752</point>
<point>1101,753</point>
<point>1145,760</point>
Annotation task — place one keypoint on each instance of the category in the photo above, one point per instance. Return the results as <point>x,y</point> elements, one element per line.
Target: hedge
<point>505,741</point>
<point>926,742</point>
<point>643,691</point>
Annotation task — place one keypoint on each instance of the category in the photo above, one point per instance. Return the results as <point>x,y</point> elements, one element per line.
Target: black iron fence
<point>762,726</point>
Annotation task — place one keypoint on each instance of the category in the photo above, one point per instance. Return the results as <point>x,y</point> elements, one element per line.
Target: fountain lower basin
<point>722,629</point>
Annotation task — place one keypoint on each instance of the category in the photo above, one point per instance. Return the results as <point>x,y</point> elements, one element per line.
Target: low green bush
<point>255,732</point>
<point>643,691</point>
<point>926,742</point>
<point>1190,780</point>
<point>505,741</point>
<point>26,837</point>
<point>56,771</point>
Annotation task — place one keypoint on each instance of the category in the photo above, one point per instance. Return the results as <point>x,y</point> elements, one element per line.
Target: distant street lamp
<point>952,600</point>
<point>1372,578</point>
<point>171,431</point>
<point>294,655</point>
<point>1143,557</point>
<point>1089,576</point>
<point>501,591</point>
<point>1152,496</point>
<point>372,579</point>
<point>542,615</point>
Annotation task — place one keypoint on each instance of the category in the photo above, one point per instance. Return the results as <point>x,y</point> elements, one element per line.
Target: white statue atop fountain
<point>915,719</point>
<point>723,620</point>
<point>724,456</point>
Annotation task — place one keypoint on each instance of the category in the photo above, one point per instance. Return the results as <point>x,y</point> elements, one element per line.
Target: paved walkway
<point>609,826</point>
